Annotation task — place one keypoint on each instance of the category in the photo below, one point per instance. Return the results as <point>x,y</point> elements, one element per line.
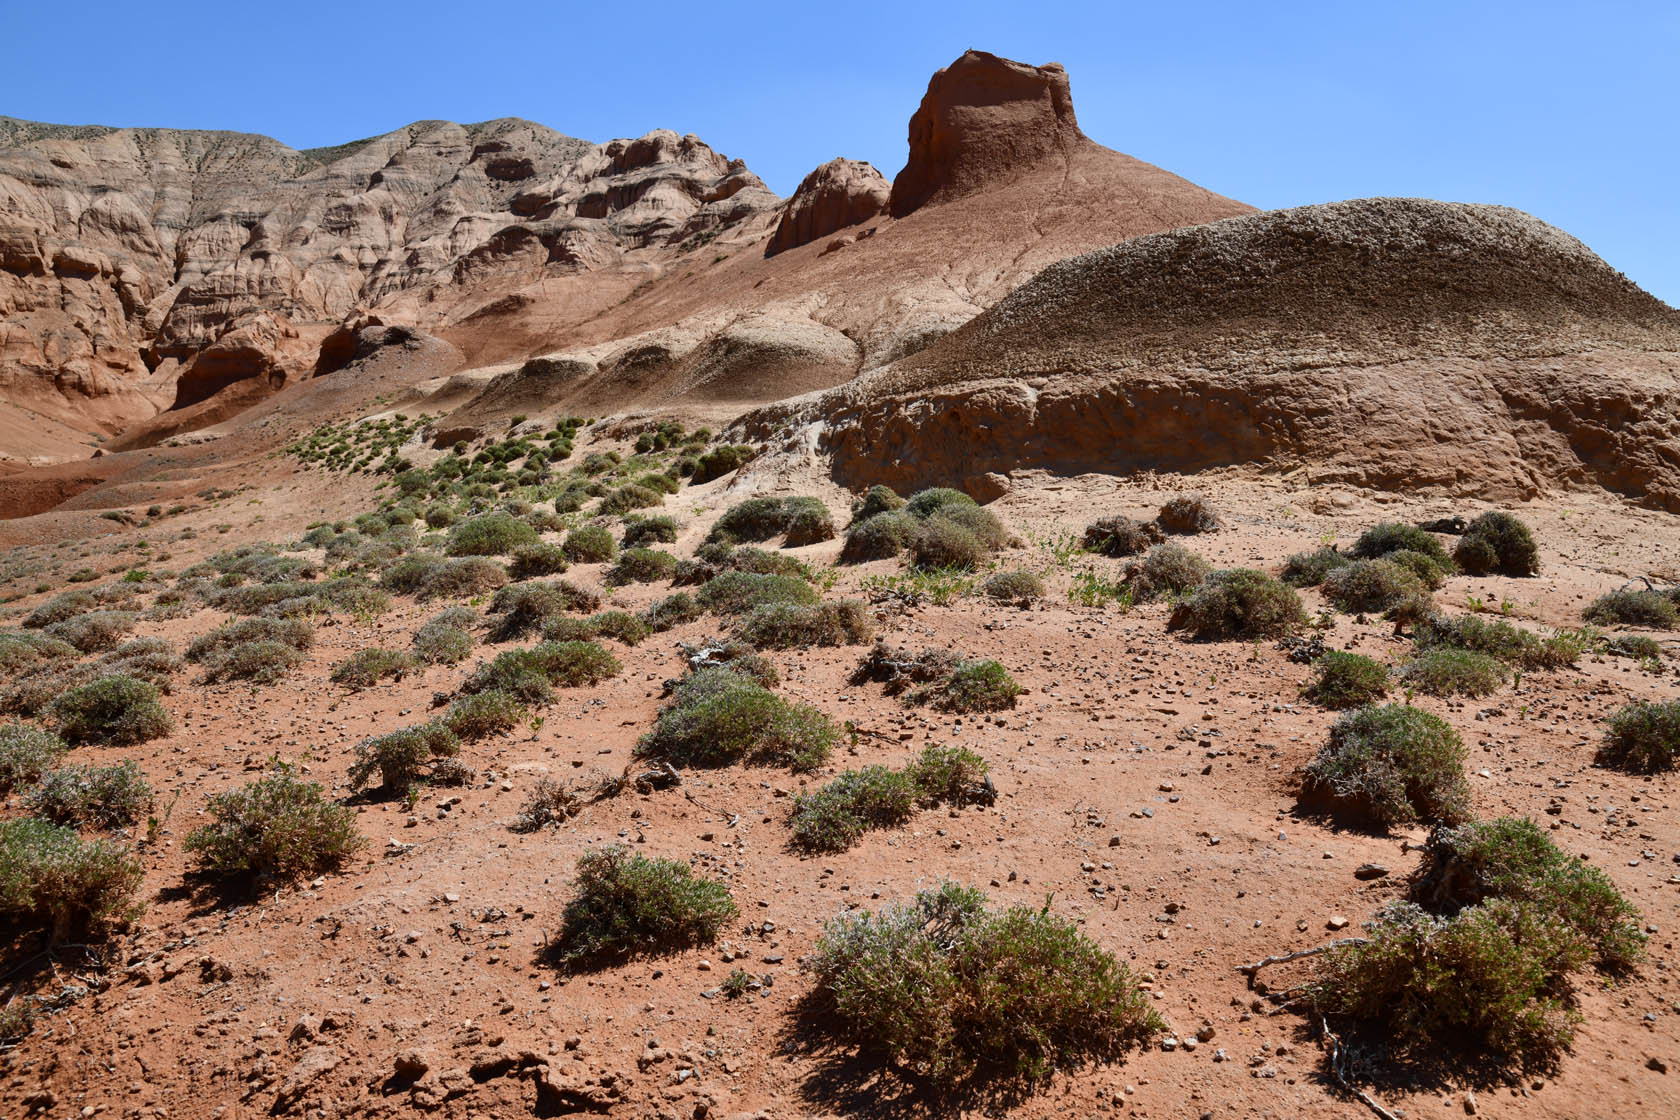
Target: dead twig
<point>1338,1060</point>
<point>1252,970</point>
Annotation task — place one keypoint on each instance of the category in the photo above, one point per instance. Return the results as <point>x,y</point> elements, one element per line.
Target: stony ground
<point>1147,789</point>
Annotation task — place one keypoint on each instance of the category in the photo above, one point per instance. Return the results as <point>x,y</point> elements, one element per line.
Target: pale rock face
<point>142,269</point>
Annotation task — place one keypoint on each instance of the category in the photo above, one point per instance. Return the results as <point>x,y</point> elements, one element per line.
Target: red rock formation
<point>840,193</point>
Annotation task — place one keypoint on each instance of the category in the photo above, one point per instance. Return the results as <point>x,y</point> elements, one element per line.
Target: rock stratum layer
<point>1390,343</point>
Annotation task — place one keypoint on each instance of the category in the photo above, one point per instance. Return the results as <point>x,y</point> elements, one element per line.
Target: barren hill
<point>1391,343</point>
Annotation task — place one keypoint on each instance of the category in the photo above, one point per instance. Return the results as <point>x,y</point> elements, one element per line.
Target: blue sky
<point>1569,111</point>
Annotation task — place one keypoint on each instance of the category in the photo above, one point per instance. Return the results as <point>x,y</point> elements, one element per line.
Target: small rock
<point>1370,871</point>
<point>1337,922</point>
<point>411,1065</point>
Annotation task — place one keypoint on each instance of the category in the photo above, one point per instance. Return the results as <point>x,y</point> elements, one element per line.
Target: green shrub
<point>59,608</point>
<point>278,828</point>
<point>671,611</point>
<point>718,716</point>
<point>620,626</point>
<point>1425,568</point>
<point>92,796</point>
<point>1346,680</point>
<point>20,650</point>
<point>1510,644</point>
<point>800,625</point>
<point>641,565</point>
<point>721,460</point>
<point>1371,586</point>
<point>590,544</point>
<point>490,534</point>
<point>943,990</point>
<point>1188,513</point>
<point>625,905</point>
<point>940,543</point>
<point>1167,569</point>
<point>660,529</point>
<point>26,753</point>
<point>878,537</point>
<point>1513,858</point>
<point>926,503</point>
<point>1652,610</point>
<point>423,753</point>
<point>367,667</point>
<point>1392,765</point>
<point>440,516</point>
<point>482,714</point>
<point>1120,536</point>
<point>447,638</point>
<point>540,559</point>
<point>1393,536</point>
<point>530,674</point>
<point>95,631</point>
<point>1498,542</point>
<point>627,498</point>
<point>1634,645</point>
<point>951,776</point>
<point>834,817</point>
<point>524,607</point>
<point>735,593</point>
<point>1642,738</point>
<point>1309,569</point>
<point>977,686</point>
<point>1018,588</point>
<point>801,520</point>
<point>878,500</point>
<point>1454,672</point>
<point>1240,603</point>
<point>53,881</point>
<point>260,662</point>
<point>116,711</point>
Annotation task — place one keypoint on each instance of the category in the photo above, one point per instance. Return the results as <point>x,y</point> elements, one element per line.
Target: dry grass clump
<point>20,650</point>
<point>625,905</point>
<point>1019,589</point>
<point>277,828</point>
<point>1498,542</point>
<point>1239,603</point>
<point>1642,738</point>
<point>947,992</point>
<point>1120,536</point>
<point>1392,765</point>
<point>428,576</point>
<point>1188,513</point>
<point>260,650</point>
<point>901,669</point>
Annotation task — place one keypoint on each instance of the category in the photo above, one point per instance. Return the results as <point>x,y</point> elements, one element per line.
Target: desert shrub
<point>1346,680</point>
<point>152,660</point>
<point>590,544</point>
<point>440,516</point>
<point>739,657</point>
<point>21,650</point>
<point>834,817</point>
<point>807,522</point>
<point>521,608</point>
<point>1240,603</point>
<point>718,716</point>
<point>660,529</point>
<point>901,669</point>
<point>1120,536</point>
<point>799,625</point>
<point>447,638</point>
<point>625,905</point>
<point>1454,672</point>
<point>878,500</point>
<point>1513,858</point>
<point>116,711</point>
<point>721,460</point>
<point>531,674</point>
<point>490,534</point>
<point>1393,765</point>
<point>739,592</point>
<point>1642,738</point>
<point>540,559</point>
<point>54,881</point>
<point>641,565</point>
<point>1650,609</point>
<point>95,631</point>
<point>277,827</point>
<point>801,520</point>
<point>1498,542</point>
<point>409,574</point>
<point>26,752</point>
<point>1491,980</point>
<point>941,543</point>
<point>1309,569</point>
<point>951,776</point>
<point>1167,569</point>
<point>1371,586</point>
<point>423,753</point>
<point>461,579</point>
<point>1634,645</point>
<point>59,608</point>
<point>92,796</point>
<point>1019,588</point>
<point>1500,639</point>
<point>926,503</point>
<point>671,611</point>
<point>260,662</point>
<point>878,537</point>
<point>983,524</point>
<point>367,667</point>
<point>1188,513</point>
<point>1393,536</point>
<point>550,802</point>
<point>482,714</point>
<point>976,686</point>
<point>629,497</point>
<point>1425,568</point>
<point>946,991</point>
<point>620,626</point>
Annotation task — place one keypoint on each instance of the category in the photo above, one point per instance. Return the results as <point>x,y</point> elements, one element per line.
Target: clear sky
<point>1568,110</point>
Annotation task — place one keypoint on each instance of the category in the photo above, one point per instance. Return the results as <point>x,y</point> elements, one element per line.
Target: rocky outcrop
<point>983,120</point>
<point>1390,343</point>
<point>840,193</point>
